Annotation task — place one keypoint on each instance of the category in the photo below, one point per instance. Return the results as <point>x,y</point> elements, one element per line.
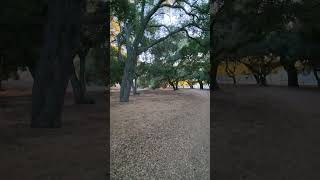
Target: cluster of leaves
<point>195,63</point>
<point>116,66</point>
<point>177,60</point>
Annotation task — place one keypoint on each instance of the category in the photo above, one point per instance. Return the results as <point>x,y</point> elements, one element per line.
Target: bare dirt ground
<point>161,134</point>
<point>270,133</point>
<point>77,151</point>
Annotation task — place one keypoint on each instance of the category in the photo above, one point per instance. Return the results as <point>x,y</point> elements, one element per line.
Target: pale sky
<point>171,17</point>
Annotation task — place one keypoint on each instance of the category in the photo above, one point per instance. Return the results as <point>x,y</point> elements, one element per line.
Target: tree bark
<point>79,84</point>
<point>201,84</point>
<point>82,76</point>
<point>260,79</point>
<point>32,70</point>
<point>315,72</point>
<point>172,84</point>
<point>79,89</point>
<point>234,80</point>
<point>263,80</point>
<point>292,76</point>
<point>213,82</point>
<point>127,77</point>
<point>53,70</point>
<point>177,83</point>
<point>76,86</point>
<point>289,66</point>
<point>256,77</point>
<point>15,75</point>
<point>134,87</point>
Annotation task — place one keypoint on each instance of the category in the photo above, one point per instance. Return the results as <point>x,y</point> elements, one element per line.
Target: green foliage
<point>116,67</point>
<point>96,66</point>
<point>123,10</point>
<point>195,62</point>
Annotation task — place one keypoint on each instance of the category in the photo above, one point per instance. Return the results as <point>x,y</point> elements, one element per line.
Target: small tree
<point>231,69</point>
<point>261,67</point>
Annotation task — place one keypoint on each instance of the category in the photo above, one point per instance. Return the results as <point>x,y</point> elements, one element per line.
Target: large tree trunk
<point>289,66</point>
<point>15,75</point>
<point>79,84</point>
<point>260,79</point>
<point>127,77</point>
<point>201,84</point>
<point>234,81</point>
<point>32,70</point>
<point>292,76</point>
<point>177,83</point>
<point>315,72</point>
<point>263,80</point>
<point>82,75</point>
<point>257,78</point>
<point>172,84</point>
<point>213,82</point>
<point>134,87</point>
<point>53,69</point>
<point>76,86</point>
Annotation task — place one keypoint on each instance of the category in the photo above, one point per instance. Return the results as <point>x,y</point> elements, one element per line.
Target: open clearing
<point>259,134</point>
<point>266,133</point>
<point>161,134</point>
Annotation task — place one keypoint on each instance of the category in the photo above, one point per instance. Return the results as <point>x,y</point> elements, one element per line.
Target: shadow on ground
<point>74,152</point>
<point>266,133</point>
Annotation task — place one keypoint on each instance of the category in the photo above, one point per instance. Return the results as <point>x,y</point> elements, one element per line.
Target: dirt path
<point>74,152</point>
<point>161,134</point>
<point>266,133</point>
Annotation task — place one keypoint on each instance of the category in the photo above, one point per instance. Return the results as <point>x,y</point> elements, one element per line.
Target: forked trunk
<point>127,77</point>
<point>79,84</point>
<point>260,79</point>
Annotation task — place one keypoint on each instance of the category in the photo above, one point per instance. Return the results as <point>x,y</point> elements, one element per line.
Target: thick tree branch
<point>164,38</point>
<point>179,7</point>
<point>142,11</point>
<point>158,26</point>
<point>193,38</point>
<point>147,18</point>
